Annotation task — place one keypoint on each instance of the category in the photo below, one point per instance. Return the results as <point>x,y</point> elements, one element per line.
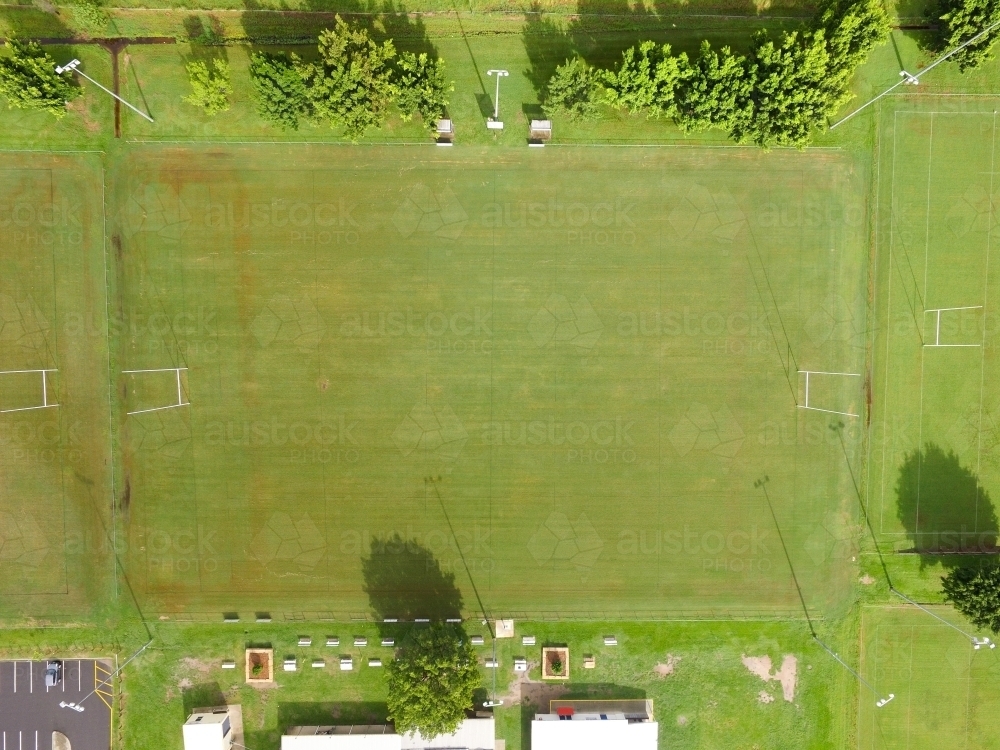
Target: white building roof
<point>206,731</point>
<point>591,732</point>
<point>472,734</point>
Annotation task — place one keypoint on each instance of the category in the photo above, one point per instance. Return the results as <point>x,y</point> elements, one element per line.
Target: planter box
<point>553,656</point>
<point>265,658</point>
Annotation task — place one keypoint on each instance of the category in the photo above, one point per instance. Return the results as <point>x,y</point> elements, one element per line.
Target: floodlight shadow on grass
<point>761,484</point>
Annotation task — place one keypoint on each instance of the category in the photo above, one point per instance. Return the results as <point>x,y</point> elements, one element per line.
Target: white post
<point>74,65</point>
<point>499,74</point>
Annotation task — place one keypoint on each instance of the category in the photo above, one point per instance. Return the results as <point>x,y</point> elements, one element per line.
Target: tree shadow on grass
<point>204,695</point>
<point>383,19</point>
<point>943,507</point>
<point>405,582</point>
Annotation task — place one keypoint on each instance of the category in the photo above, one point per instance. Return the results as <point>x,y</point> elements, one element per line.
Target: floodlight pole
<point>78,706</point>
<point>74,65</point>
<point>976,642</point>
<point>881,701</point>
<point>499,74</point>
<point>907,78</point>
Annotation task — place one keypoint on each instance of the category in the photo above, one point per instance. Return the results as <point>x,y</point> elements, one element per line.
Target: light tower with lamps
<point>495,123</point>
<point>74,65</point>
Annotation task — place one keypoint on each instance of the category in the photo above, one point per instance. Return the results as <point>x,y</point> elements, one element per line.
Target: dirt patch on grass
<point>866,580</point>
<point>665,669</point>
<point>196,664</point>
<point>765,697</point>
<point>787,675</point>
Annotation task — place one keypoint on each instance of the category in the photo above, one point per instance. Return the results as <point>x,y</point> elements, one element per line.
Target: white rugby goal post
<point>937,325</point>
<point>45,389</point>
<point>810,407</point>
<point>180,392</point>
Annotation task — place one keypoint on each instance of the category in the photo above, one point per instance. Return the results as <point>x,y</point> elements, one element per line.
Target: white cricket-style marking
<point>45,389</point>
<point>937,325</point>
<point>180,395</point>
<point>806,405</point>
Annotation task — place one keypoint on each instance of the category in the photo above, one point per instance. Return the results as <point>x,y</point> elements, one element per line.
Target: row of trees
<point>776,95</point>
<point>353,83</point>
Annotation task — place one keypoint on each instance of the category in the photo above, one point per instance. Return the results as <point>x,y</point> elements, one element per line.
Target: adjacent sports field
<point>55,478</point>
<point>569,366</point>
<point>946,693</point>
<point>935,436</point>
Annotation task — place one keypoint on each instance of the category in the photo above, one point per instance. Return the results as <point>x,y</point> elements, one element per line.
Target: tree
<point>573,90</point>
<point>853,28</point>
<point>352,84</point>
<point>28,79</point>
<point>716,91</point>
<point>422,87</point>
<point>646,80</point>
<point>961,21</point>
<point>278,91</point>
<point>210,88</point>
<point>431,681</point>
<point>975,592</point>
<point>790,99</point>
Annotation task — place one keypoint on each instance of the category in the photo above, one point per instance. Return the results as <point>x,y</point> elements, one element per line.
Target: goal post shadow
<point>180,391</point>
<point>808,375</point>
<point>45,389</point>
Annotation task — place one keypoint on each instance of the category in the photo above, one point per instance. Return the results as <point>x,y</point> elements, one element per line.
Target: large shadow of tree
<point>383,19</point>
<point>405,582</point>
<point>943,507</point>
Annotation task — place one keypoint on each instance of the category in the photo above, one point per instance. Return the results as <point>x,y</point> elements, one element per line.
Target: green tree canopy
<point>961,20</point>
<point>352,83</point>
<point>975,592</point>
<point>573,90</point>
<point>28,79</point>
<point>278,91</point>
<point>790,98</point>
<point>716,92</point>
<point>210,86</point>
<point>422,87</point>
<point>646,80</point>
<point>431,681</point>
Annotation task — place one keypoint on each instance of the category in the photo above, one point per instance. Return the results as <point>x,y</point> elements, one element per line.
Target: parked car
<point>53,673</point>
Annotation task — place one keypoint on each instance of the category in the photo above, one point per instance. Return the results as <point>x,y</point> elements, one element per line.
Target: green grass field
<point>54,430</point>
<point>933,447</point>
<point>946,693</point>
<point>553,337</point>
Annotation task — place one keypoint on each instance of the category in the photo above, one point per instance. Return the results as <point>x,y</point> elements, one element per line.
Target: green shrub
<point>422,87</point>
<point>574,90</point>
<point>352,83</point>
<point>278,91</point>
<point>28,79</point>
<point>210,87</point>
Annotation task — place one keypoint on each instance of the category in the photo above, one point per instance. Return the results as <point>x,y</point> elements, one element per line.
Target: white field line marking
<point>927,243</point>
<point>986,299</point>
<point>888,327</point>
